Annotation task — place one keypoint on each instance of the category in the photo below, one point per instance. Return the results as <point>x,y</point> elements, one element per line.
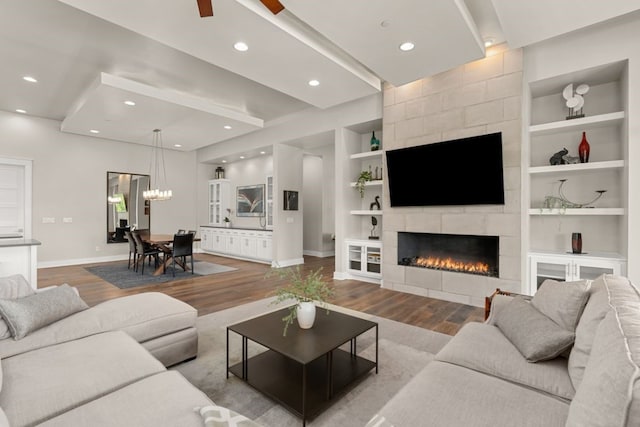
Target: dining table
<point>164,243</point>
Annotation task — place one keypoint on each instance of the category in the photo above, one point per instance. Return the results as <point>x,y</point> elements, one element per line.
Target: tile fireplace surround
<point>480,97</point>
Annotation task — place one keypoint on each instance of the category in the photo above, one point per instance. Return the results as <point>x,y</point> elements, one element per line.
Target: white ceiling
<point>89,56</point>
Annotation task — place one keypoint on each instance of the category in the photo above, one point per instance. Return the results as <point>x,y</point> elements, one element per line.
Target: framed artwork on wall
<point>250,200</point>
<point>290,200</point>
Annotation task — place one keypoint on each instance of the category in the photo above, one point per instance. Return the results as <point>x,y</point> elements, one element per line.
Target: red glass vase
<point>583,149</point>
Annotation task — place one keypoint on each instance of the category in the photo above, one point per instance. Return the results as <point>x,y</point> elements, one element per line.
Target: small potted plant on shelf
<point>227,221</point>
<point>306,291</point>
<point>362,180</point>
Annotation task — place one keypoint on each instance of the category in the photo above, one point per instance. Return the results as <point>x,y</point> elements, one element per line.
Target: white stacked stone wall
<point>478,98</point>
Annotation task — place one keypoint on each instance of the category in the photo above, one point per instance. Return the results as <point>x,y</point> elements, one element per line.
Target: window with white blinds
<point>15,198</point>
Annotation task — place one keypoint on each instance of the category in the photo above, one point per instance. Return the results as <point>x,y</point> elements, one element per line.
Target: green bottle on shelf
<point>375,143</point>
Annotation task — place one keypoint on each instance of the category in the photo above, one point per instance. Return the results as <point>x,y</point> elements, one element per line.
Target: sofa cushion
<point>27,314</point>
<point>562,302</point>
<point>609,394</point>
<point>595,310</point>
<point>535,335</point>
<point>164,399</point>
<point>144,316</point>
<point>485,349</point>
<point>12,287</point>
<point>49,381</point>
<point>446,395</point>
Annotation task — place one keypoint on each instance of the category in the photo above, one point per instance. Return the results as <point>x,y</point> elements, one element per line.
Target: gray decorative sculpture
<point>556,159</point>
<point>570,160</point>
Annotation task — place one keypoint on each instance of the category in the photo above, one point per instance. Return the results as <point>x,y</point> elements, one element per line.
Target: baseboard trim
<point>79,261</point>
<point>319,254</point>
<point>287,262</point>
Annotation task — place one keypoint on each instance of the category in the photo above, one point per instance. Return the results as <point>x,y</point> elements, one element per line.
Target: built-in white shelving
<point>369,183</point>
<point>366,155</point>
<point>583,124</point>
<point>575,212</point>
<point>611,164</point>
<point>366,212</point>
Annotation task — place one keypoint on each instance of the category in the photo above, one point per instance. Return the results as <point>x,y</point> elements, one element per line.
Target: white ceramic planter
<point>306,314</point>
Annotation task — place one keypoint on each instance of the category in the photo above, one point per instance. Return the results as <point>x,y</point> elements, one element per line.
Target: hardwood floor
<point>216,292</point>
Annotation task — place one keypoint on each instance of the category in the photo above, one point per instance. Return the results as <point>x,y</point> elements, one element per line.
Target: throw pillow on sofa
<point>27,314</point>
<point>562,302</point>
<point>536,336</point>
<point>12,287</point>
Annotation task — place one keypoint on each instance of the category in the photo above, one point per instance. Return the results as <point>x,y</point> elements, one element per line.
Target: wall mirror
<point>126,208</point>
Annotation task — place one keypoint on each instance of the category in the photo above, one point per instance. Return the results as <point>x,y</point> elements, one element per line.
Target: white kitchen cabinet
<point>253,245</point>
<point>219,200</point>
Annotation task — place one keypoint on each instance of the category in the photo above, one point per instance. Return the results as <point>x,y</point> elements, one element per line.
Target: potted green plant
<point>227,221</point>
<point>362,180</point>
<point>306,290</point>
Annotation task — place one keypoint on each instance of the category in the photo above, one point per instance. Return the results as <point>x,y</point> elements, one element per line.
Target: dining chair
<point>132,250</point>
<point>193,232</point>
<point>181,231</point>
<point>144,251</point>
<point>182,248</point>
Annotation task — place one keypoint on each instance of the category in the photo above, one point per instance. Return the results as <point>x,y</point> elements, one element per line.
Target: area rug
<point>404,350</point>
<point>119,275</point>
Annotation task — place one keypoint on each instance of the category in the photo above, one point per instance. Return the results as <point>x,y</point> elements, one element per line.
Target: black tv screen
<point>465,171</point>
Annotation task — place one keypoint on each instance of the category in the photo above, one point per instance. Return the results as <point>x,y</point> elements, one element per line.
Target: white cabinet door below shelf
<point>568,267</point>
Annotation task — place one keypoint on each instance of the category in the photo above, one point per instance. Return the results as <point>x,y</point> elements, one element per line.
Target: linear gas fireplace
<point>450,252</point>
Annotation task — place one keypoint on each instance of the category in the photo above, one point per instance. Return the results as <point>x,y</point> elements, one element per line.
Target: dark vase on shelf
<point>375,142</point>
<point>576,243</point>
<point>583,149</point>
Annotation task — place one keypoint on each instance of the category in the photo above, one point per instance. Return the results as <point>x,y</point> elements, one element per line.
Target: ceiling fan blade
<point>273,5</point>
<point>205,7</point>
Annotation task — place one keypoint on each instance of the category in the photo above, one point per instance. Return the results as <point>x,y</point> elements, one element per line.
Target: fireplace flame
<point>452,265</point>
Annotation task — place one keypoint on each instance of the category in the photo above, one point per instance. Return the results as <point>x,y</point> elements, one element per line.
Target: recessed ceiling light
<point>177,145</point>
<point>21,111</point>
<point>130,103</point>
<point>488,42</point>
<point>262,152</point>
<point>94,131</point>
<point>385,23</point>
<point>314,82</point>
<point>241,47</point>
<point>242,157</point>
<point>224,161</point>
<point>407,46</point>
<point>227,127</point>
<point>30,79</point>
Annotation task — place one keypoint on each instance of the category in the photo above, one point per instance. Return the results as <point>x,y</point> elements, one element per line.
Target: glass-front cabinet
<point>364,258</point>
<point>570,267</point>
<point>219,200</point>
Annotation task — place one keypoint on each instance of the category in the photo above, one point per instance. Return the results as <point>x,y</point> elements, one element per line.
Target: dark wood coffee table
<point>305,371</point>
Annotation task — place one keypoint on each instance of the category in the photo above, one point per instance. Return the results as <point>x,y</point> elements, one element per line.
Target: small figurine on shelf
<point>575,100</point>
<point>374,223</point>
<point>375,143</point>
<point>556,159</point>
<point>375,204</point>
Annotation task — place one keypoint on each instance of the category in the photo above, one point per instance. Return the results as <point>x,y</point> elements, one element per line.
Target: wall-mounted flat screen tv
<point>465,171</point>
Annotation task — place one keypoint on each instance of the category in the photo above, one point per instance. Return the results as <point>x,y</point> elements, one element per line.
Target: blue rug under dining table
<point>119,275</point>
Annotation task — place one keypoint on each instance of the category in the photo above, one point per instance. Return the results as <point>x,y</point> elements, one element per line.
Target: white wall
<point>69,180</point>
<point>598,45</point>
<point>252,171</point>
<point>287,236</point>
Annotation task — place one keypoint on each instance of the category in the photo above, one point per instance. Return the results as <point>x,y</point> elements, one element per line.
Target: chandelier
<point>157,156</point>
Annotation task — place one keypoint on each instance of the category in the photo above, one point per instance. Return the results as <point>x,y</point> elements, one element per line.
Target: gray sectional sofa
<point>100,366</point>
<point>517,369</point>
